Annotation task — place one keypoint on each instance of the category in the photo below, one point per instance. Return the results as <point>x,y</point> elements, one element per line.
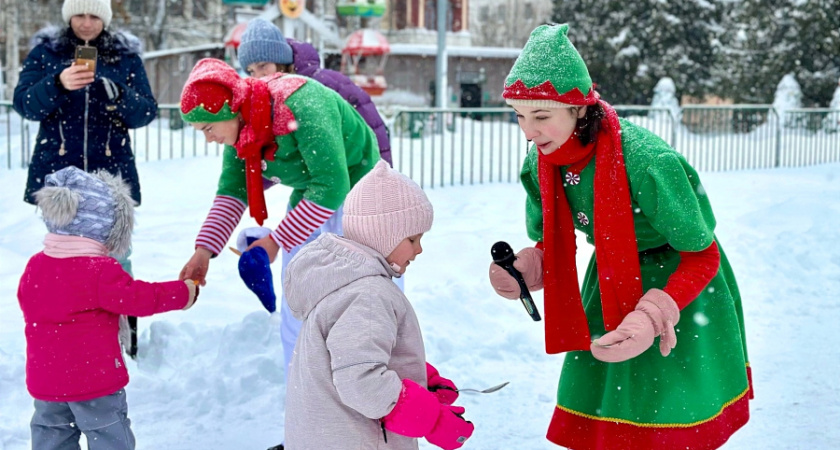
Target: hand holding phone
<point>81,72</point>
<point>86,55</point>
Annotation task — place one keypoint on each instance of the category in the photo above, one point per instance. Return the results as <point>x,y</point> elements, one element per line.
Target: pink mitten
<point>529,262</point>
<point>451,430</point>
<point>418,413</point>
<point>655,315</point>
<point>443,388</point>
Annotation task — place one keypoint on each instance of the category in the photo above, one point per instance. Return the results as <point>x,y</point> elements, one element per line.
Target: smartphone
<point>86,55</point>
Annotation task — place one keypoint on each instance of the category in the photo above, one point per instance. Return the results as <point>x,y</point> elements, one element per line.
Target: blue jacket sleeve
<point>36,94</point>
<point>136,105</point>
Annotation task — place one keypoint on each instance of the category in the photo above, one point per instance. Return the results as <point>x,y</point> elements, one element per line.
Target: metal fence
<point>456,146</point>
<point>166,137</point>
<point>440,147</point>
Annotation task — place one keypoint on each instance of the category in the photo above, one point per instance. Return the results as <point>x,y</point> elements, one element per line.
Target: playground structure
<point>370,49</point>
<point>363,54</point>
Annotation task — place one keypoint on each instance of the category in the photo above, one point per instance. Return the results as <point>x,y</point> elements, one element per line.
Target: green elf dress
<point>644,209</point>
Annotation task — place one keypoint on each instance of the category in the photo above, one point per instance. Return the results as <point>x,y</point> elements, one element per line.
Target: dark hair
<point>590,124</point>
<point>285,68</point>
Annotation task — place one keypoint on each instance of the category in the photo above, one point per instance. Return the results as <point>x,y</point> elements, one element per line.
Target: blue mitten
<point>255,268</point>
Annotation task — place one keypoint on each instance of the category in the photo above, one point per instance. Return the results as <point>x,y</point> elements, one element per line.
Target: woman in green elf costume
<point>657,271</point>
<point>284,129</point>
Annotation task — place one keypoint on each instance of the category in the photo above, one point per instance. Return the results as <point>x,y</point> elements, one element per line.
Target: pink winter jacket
<point>71,307</point>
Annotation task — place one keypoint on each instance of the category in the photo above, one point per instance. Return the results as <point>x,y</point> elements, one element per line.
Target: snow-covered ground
<point>211,377</point>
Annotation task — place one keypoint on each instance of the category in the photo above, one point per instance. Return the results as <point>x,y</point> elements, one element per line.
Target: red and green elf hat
<point>549,72</point>
<point>210,94</point>
<point>215,92</point>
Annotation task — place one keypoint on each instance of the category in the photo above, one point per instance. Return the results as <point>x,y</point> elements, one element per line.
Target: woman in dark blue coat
<point>84,116</point>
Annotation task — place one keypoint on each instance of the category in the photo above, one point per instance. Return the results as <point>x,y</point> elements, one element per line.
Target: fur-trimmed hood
<point>111,44</point>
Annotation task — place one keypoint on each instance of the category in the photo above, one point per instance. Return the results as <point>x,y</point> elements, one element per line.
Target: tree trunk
<point>12,68</point>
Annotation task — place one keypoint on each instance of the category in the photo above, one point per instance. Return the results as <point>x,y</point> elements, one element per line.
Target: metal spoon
<point>484,391</point>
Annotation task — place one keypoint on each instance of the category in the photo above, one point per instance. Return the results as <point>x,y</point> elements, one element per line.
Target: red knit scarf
<point>619,274</point>
<point>256,143</point>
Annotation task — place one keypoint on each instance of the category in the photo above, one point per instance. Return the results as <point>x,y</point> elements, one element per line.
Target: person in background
<point>84,114</point>
<point>264,51</point>
<point>284,129</point>
<point>359,369</point>
<point>657,355</point>
<point>72,295</point>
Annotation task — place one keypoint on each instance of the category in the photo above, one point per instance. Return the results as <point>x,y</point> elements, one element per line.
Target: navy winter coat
<point>308,63</point>
<point>91,127</point>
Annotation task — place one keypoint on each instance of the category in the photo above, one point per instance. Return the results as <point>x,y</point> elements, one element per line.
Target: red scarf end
<point>562,345</point>
<point>259,219</point>
<point>570,335</point>
<point>611,322</point>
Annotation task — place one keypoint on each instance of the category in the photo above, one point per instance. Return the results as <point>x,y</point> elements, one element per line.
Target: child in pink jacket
<point>72,294</point>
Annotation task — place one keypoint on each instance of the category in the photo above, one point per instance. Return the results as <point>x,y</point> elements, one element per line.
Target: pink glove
<point>418,413</point>
<point>529,262</point>
<point>655,315</point>
<point>443,388</point>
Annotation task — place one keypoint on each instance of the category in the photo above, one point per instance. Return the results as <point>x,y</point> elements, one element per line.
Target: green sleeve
<point>675,203</point>
<point>232,181</point>
<point>530,177</point>
<point>320,141</point>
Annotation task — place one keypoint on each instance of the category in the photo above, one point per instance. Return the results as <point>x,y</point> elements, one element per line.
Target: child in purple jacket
<point>72,294</point>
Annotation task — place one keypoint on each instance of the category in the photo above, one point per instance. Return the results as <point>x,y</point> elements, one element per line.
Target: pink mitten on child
<point>655,315</point>
<point>443,388</point>
<point>418,413</point>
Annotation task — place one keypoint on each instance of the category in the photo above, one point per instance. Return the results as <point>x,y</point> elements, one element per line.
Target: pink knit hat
<point>384,208</point>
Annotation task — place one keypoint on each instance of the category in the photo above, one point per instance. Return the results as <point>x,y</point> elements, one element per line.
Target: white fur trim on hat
<point>384,208</point>
<point>98,8</point>
<point>538,103</point>
<point>253,232</point>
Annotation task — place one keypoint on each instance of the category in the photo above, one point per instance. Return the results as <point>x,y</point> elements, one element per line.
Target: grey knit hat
<point>385,207</point>
<point>98,8</point>
<point>263,42</point>
<point>96,206</point>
